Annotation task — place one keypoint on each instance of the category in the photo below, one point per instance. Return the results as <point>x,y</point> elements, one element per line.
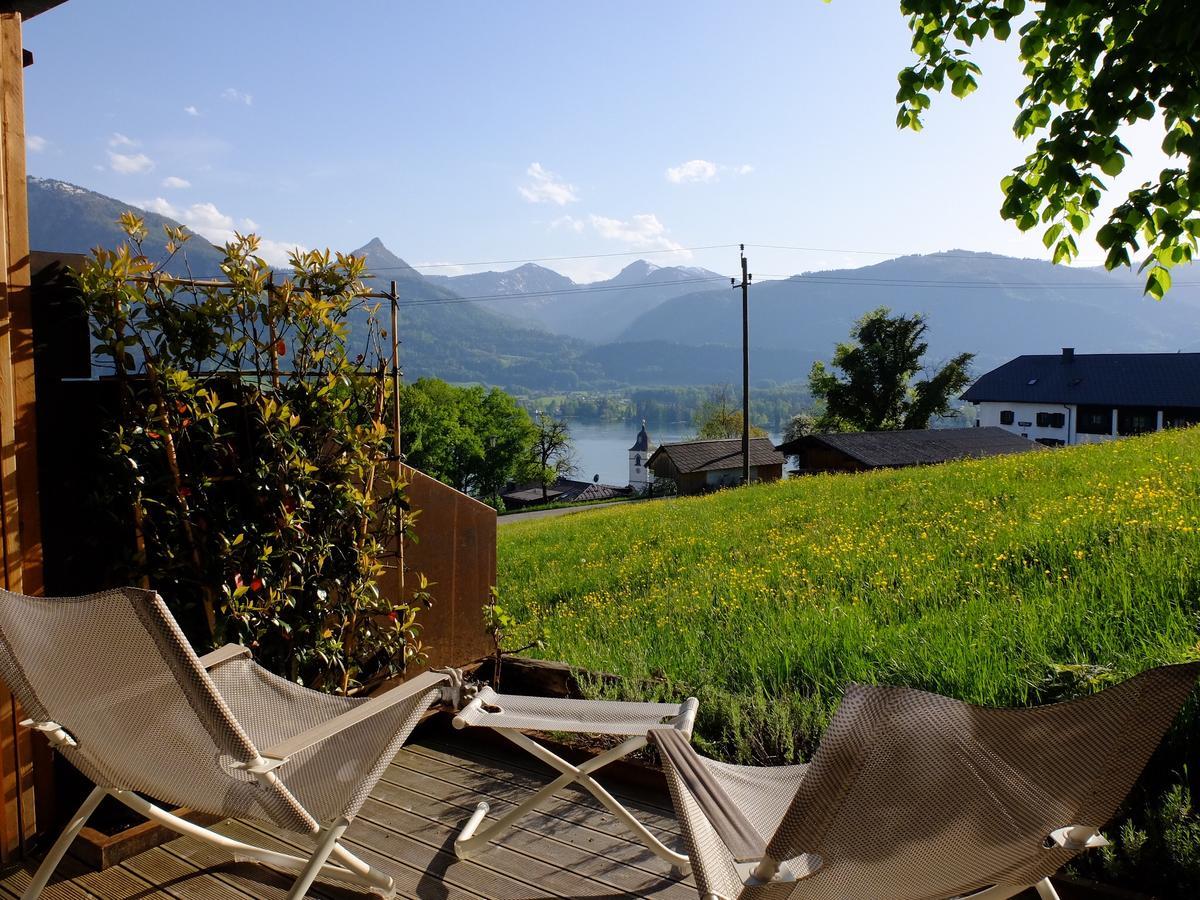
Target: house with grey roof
<point>860,451</point>
<point>699,466</point>
<point>1081,398</point>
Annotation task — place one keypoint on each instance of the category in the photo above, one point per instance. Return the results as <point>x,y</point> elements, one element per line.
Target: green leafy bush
<point>251,456</point>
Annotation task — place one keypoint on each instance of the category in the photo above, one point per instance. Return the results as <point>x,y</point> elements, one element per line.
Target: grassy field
<point>1007,581</point>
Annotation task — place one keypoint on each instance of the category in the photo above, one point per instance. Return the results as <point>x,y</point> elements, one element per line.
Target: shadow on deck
<point>574,849</point>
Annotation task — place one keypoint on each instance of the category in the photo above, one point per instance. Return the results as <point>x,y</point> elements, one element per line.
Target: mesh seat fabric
<point>913,796</point>
<point>115,671</point>
<point>334,777</point>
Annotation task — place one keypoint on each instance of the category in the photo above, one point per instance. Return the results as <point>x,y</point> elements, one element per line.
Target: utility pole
<point>745,286</point>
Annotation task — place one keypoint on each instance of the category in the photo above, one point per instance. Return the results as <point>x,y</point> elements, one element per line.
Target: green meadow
<point>1009,581</point>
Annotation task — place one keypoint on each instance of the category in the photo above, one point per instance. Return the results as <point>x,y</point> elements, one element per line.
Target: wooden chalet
<point>700,466</point>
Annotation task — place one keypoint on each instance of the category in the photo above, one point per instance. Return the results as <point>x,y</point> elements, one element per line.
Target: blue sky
<point>488,131</point>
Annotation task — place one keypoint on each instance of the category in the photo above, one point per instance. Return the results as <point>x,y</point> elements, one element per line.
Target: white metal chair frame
<point>471,840</point>
<point>329,857</point>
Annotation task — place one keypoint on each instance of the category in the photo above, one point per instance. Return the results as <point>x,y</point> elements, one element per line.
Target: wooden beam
<point>20,559</point>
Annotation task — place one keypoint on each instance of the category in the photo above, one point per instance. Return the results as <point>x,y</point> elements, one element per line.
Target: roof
<point>705,456</point>
<point>895,449</point>
<point>1094,379</point>
<point>29,8</point>
<point>643,440</point>
<point>566,490</point>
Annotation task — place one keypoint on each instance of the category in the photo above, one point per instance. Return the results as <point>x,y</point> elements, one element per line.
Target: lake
<point>602,448</point>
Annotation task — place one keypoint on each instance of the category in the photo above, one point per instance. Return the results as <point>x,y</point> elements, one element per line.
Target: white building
<point>1085,398</point>
<point>640,476</point>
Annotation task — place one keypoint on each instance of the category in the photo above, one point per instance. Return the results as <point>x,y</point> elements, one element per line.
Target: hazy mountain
<point>995,306</point>
<point>650,325</point>
<point>595,312</point>
<point>69,219</point>
<point>527,279</point>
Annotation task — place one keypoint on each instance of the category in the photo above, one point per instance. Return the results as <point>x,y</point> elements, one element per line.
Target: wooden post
<point>19,520</point>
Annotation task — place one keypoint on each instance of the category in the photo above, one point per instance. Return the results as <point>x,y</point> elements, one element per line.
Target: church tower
<point>639,476</point>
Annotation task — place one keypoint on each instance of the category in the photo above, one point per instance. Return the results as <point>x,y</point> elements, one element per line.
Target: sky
<point>463,132</point>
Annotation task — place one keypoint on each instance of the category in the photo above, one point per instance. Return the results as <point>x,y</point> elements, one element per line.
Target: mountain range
<point>531,329</point>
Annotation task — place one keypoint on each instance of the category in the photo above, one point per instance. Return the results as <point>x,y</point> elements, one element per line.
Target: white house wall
<point>1025,421</point>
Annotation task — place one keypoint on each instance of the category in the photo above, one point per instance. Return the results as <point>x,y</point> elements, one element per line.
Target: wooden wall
<point>456,550</point>
<point>20,540</point>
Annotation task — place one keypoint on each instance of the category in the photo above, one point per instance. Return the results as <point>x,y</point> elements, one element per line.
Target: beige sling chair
<point>116,688</point>
<point>912,796</point>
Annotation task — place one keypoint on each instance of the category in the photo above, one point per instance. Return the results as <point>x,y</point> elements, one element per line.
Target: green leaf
<point>1158,283</point>
<point>1113,165</point>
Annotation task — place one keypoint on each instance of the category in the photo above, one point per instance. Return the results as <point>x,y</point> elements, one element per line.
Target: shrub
<point>251,457</point>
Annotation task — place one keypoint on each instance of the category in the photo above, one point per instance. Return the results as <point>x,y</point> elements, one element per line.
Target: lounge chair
<point>114,685</point>
<point>510,715</point>
<point>913,796</point>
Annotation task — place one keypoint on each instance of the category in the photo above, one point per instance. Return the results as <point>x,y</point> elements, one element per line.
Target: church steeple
<point>639,476</point>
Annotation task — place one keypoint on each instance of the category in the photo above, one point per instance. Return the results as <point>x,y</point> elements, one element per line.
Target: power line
<point>505,262</point>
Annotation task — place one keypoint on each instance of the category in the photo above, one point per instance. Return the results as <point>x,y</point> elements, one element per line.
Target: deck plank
<point>572,849</point>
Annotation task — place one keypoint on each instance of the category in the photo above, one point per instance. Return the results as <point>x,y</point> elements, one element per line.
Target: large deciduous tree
<point>1092,67</point>
<point>875,391</point>
<point>473,439</point>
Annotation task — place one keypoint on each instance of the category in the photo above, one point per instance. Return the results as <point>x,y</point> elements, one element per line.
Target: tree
<point>474,440</point>
<point>1091,67</point>
<point>876,392</point>
<point>798,426</point>
<point>718,417</point>
<point>553,451</point>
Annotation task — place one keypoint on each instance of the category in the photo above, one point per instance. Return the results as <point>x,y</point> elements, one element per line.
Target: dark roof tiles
<point>705,456</point>
<point>1094,379</point>
<point>896,449</point>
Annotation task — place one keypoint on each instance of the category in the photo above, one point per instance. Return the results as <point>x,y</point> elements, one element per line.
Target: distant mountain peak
<point>382,261</point>
<point>639,268</point>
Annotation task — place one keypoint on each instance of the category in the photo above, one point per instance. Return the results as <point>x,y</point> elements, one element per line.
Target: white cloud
<point>643,231</point>
<point>191,110</point>
<point>35,144</point>
<point>129,164</point>
<point>568,223</point>
<point>174,181</point>
<point>237,96</point>
<point>703,170</point>
<point>692,170</point>
<point>162,206</point>
<point>217,227</point>
<point>546,187</point>
<point>120,140</point>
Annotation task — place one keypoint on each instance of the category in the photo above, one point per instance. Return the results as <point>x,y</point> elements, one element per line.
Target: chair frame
<point>471,840</point>
<point>329,857</point>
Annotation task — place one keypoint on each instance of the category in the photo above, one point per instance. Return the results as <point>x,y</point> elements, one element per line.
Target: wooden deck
<point>575,849</point>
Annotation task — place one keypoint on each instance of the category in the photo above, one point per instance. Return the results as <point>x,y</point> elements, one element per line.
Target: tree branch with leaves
<point>1092,67</point>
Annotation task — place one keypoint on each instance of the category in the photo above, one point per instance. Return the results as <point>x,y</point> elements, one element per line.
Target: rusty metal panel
<point>456,550</point>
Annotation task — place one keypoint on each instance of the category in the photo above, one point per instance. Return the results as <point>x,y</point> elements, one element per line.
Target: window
<point>1007,417</point>
<point>1051,420</point>
<point>1094,420</point>
<point>1043,420</point>
<point>1136,420</point>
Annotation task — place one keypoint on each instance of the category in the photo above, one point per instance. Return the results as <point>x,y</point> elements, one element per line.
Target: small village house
<point>563,490</point>
<point>864,450</point>
<point>699,466</point>
<point>1074,398</point>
